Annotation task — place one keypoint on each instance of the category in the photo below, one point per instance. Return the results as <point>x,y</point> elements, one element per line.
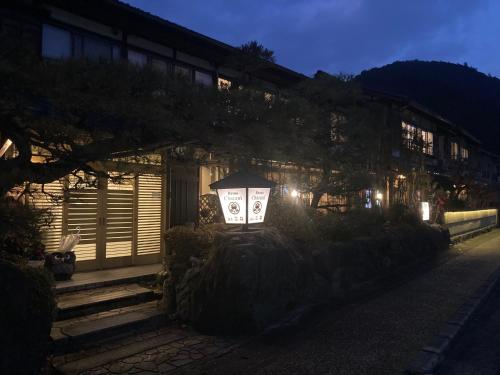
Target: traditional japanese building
<point>123,224</point>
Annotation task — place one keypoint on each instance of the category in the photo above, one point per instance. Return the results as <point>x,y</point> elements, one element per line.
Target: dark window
<point>97,49</point>
<point>137,58</point>
<point>204,79</point>
<point>183,71</point>
<point>160,65</point>
<point>56,43</point>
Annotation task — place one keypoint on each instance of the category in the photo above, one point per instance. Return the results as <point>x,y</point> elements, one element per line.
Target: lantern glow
<point>243,198</point>
<point>425,211</point>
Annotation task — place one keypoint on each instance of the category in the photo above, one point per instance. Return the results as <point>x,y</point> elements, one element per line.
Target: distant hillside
<point>457,92</point>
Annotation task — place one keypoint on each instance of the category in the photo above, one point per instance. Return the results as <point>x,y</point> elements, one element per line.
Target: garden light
<point>243,197</point>
<point>425,211</point>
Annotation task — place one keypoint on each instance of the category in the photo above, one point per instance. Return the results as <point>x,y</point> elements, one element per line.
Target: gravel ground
<point>377,335</point>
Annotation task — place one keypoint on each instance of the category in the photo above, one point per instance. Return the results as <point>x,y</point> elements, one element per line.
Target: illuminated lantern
<point>425,211</point>
<point>243,198</point>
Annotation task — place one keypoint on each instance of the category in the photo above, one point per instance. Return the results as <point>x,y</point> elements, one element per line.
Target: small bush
<point>347,226</point>
<point>292,220</point>
<point>399,213</point>
<point>182,243</point>
<point>25,318</point>
<point>20,232</point>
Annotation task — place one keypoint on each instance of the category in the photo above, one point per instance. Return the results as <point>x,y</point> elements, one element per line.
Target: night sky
<point>348,36</point>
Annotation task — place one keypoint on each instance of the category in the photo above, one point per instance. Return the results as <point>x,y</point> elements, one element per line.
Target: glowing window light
<point>5,147</point>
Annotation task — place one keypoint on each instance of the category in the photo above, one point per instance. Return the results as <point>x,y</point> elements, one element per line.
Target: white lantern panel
<point>425,211</point>
<point>257,204</point>
<point>233,202</point>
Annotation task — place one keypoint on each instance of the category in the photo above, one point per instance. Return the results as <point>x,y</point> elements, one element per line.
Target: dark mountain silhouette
<point>459,93</point>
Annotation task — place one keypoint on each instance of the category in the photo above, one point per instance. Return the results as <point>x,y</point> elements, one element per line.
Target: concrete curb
<point>432,354</point>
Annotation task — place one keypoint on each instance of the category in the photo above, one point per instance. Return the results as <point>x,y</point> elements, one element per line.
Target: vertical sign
<point>257,204</point>
<point>233,202</point>
<point>425,211</point>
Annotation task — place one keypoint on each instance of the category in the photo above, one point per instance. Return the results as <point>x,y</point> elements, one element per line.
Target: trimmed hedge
<point>26,316</point>
<point>347,264</point>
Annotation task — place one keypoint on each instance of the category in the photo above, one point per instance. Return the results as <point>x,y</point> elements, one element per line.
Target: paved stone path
<point>185,348</point>
<point>377,335</point>
<point>477,351</point>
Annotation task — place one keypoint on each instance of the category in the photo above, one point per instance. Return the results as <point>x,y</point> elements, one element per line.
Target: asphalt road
<point>477,352</point>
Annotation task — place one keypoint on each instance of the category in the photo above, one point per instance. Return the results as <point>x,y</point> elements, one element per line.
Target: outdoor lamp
<point>425,211</point>
<point>243,198</point>
<point>295,193</point>
<point>379,196</point>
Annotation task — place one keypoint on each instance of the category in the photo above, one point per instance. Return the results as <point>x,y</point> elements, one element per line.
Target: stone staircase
<point>99,311</point>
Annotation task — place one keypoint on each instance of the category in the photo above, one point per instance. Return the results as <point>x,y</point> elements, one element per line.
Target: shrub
<point>250,280</point>
<point>20,232</point>
<point>183,243</point>
<point>399,213</point>
<point>25,318</point>
<point>292,220</point>
<point>347,226</point>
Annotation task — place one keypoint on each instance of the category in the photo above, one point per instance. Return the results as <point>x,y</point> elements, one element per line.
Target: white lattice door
<point>120,224</point>
<point>149,220</point>
<point>117,224</point>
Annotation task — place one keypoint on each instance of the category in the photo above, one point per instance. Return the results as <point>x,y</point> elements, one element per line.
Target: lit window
<point>268,97</point>
<point>223,83</point>
<point>137,58</point>
<point>204,79</point>
<point>409,133</point>
<point>56,43</point>
<point>428,139</point>
<point>417,139</point>
<point>454,150</point>
<point>464,153</point>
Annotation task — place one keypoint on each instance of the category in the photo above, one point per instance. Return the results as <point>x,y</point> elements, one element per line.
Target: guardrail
<point>464,223</point>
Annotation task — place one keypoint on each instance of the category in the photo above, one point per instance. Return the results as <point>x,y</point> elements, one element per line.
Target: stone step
<point>77,333</point>
<point>102,278</point>
<point>90,301</point>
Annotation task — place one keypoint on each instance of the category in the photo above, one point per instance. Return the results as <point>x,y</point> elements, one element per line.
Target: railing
<point>468,222</point>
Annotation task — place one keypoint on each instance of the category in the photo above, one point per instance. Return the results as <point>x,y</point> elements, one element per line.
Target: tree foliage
<point>346,132</point>
<point>75,113</point>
